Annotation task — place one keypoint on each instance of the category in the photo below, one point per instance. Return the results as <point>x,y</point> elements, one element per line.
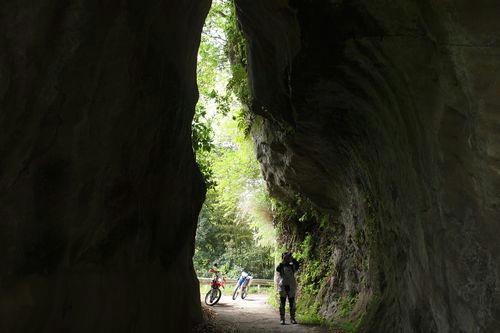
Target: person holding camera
<point>287,285</point>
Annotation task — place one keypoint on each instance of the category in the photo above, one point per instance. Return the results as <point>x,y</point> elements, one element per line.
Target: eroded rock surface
<point>99,193</point>
<point>386,116</point>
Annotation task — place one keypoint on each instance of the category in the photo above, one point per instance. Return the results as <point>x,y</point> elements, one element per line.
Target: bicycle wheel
<point>213,296</point>
<point>236,292</point>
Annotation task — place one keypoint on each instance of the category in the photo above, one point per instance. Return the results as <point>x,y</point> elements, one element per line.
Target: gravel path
<point>253,314</point>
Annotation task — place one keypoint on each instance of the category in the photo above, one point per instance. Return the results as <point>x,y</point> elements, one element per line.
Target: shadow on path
<point>253,314</point>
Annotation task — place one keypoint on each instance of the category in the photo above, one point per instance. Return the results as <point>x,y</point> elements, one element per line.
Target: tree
<point>234,226</point>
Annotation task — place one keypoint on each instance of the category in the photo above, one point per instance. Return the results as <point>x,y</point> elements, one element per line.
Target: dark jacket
<point>294,263</point>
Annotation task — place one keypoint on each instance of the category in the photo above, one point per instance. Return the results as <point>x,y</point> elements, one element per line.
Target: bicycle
<point>214,294</point>
<point>242,283</point>
<point>246,286</point>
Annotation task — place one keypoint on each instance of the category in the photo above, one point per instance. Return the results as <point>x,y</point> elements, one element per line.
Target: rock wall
<point>386,117</point>
<point>99,192</point>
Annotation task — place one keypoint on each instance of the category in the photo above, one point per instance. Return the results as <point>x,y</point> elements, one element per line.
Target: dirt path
<point>253,314</point>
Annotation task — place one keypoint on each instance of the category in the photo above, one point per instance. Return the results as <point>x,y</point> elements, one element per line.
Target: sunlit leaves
<point>234,226</point>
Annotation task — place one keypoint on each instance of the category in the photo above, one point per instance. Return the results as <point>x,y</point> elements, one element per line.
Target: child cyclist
<point>287,285</point>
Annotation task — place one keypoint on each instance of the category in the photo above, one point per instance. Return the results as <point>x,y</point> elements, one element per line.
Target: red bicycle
<point>214,294</point>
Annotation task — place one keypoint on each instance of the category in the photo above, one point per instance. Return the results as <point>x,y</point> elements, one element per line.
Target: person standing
<point>287,285</point>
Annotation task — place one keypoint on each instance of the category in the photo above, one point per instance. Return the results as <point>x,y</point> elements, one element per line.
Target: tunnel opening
<point>235,226</point>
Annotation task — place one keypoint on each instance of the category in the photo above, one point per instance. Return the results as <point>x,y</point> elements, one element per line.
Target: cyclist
<point>215,270</point>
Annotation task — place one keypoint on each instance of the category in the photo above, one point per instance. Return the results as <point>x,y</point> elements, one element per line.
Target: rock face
<point>386,116</point>
<point>99,192</point>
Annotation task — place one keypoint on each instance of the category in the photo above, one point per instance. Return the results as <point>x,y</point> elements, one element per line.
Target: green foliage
<point>345,305</point>
<point>308,311</point>
<point>201,138</point>
<point>226,236</point>
<point>273,299</point>
<point>235,224</point>
<point>305,248</point>
<point>296,218</point>
<point>349,326</point>
<point>222,81</point>
<point>236,51</point>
